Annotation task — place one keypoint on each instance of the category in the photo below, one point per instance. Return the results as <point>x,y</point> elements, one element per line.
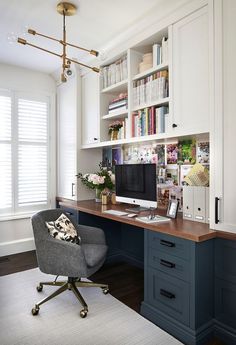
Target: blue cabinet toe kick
<point>185,334</point>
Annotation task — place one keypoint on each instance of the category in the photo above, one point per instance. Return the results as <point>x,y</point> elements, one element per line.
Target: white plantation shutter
<point>24,154</point>
<point>5,153</point>
<point>32,152</point>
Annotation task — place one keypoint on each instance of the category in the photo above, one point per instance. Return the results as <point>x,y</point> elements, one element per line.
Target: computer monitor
<point>136,184</point>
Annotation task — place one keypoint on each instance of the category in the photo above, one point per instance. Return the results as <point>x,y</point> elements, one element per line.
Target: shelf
<point>115,115</point>
<point>150,71</point>
<point>151,104</point>
<point>118,87</point>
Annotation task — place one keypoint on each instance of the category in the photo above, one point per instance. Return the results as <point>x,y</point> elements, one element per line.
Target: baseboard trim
<point>18,246</point>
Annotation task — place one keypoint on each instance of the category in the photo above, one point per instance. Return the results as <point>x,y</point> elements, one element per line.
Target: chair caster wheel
<point>39,288</point>
<point>35,310</point>
<point>105,291</point>
<point>83,313</point>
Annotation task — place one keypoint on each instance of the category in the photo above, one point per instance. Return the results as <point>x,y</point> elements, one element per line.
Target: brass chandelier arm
<point>95,69</point>
<point>24,42</point>
<point>92,52</point>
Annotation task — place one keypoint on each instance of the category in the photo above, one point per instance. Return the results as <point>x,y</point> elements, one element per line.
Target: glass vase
<point>98,195</point>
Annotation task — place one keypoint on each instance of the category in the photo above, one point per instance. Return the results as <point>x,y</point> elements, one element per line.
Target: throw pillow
<point>63,229</point>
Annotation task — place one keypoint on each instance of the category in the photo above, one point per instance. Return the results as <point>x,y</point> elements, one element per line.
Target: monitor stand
<point>137,209</point>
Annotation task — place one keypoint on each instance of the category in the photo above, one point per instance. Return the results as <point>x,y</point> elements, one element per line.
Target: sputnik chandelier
<point>65,9</point>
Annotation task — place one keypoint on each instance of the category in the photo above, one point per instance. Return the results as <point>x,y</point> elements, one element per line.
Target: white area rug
<point>109,322</point>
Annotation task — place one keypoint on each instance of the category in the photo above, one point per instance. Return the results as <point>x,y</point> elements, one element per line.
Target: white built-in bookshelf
<point>129,85</point>
<point>157,88</point>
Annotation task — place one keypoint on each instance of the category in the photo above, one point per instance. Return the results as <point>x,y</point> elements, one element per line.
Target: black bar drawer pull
<point>217,210</point>
<point>167,243</point>
<point>167,294</point>
<point>167,263</point>
<point>72,189</point>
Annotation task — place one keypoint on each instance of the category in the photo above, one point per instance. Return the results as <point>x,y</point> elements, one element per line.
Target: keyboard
<point>115,213</point>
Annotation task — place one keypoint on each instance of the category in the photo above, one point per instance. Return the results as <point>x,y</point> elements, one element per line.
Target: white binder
<point>188,203</point>
<point>199,208</point>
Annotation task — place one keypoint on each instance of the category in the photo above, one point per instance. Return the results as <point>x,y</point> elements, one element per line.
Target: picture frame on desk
<point>172,208</point>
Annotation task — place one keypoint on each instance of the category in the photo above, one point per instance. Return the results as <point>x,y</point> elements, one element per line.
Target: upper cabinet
<point>158,88</point>
<point>223,162</point>
<point>190,74</point>
<point>67,125</point>
<point>90,108</point>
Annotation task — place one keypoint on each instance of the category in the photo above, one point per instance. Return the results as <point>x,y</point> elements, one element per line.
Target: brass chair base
<point>72,284</point>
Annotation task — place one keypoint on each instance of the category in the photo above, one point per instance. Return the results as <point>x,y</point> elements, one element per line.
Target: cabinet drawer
<point>169,244</point>
<point>225,302</point>
<point>169,295</point>
<point>71,213</point>
<point>169,264</point>
<point>225,258</point>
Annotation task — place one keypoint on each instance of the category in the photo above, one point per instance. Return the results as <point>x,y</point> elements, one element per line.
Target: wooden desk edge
<point>203,234</point>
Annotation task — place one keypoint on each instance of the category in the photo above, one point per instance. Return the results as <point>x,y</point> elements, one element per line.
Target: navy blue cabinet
<point>225,290</point>
<point>179,284</point>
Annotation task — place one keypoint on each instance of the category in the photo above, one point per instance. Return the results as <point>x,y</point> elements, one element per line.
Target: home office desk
<point>187,287</point>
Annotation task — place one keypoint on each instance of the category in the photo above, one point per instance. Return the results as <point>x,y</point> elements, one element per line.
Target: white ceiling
<point>95,23</point>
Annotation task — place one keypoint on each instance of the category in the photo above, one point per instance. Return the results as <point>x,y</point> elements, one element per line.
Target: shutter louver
<point>5,153</point>
<point>32,153</point>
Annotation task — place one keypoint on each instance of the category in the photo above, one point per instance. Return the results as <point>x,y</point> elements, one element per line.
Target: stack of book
<point>118,104</point>
<point>147,121</point>
<point>114,73</point>
<point>160,52</point>
<point>151,88</point>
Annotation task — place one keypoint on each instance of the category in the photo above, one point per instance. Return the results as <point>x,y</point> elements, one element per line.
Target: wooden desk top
<point>193,231</point>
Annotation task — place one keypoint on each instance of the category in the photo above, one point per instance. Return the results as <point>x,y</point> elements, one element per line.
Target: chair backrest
<point>41,233</point>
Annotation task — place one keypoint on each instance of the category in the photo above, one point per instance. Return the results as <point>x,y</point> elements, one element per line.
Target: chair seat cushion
<point>94,253</point>
<point>63,229</point>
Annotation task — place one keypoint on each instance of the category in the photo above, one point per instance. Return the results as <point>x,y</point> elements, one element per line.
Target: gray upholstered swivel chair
<point>68,259</point>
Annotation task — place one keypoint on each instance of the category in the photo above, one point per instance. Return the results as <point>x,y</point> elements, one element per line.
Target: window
<point>24,153</point>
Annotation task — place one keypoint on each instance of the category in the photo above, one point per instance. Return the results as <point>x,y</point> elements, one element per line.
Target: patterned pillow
<point>63,229</point>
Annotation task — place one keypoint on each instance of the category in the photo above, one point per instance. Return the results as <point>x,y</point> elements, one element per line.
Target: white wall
<point>16,235</point>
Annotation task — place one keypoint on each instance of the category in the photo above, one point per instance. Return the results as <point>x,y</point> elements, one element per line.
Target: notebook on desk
<point>156,219</point>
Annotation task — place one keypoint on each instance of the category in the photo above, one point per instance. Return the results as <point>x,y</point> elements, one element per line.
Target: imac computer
<point>136,185</point>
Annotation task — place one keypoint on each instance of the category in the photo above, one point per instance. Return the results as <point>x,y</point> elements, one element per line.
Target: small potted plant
<point>102,180</point>
<point>114,129</point>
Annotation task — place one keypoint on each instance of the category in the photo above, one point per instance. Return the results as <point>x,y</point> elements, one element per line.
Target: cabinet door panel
<point>169,244</point>
<point>67,139</point>
<point>90,108</point>
<point>223,163</point>
<point>191,73</point>
<point>168,294</point>
<point>169,264</point>
<point>225,302</point>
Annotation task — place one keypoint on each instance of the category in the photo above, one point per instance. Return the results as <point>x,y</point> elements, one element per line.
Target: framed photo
<point>172,208</point>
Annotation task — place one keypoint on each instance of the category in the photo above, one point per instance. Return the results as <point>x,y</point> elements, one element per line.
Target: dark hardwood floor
<point>125,281</point>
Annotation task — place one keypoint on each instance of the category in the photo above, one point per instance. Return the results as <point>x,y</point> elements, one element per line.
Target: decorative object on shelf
<point>114,129</point>
<point>113,198</point>
<point>172,208</point>
<point>102,181</point>
<point>105,196</point>
<point>198,176</point>
<point>65,9</point>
